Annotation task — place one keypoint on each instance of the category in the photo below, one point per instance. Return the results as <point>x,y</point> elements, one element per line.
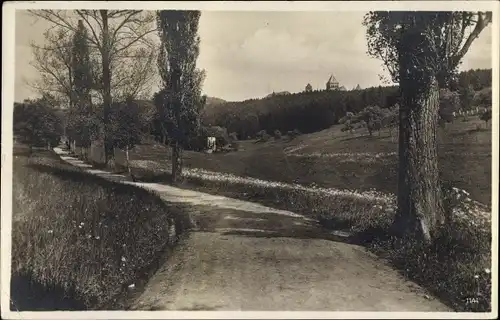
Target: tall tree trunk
<point>128,161</point>
<point>420,208</point>
<point>176,162</point>
<point>106,83</point>
<point>179,132</point>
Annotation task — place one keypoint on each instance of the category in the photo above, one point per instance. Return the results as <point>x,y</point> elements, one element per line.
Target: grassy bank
<point>79,238</point>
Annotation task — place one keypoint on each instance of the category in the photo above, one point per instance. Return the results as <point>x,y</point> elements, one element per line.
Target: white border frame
<point>8,45</point>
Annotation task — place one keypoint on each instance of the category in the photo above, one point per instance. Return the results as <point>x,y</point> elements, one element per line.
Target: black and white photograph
<point>227,158</point>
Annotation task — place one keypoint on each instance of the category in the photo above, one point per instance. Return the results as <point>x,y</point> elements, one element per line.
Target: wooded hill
<point>317,110</point>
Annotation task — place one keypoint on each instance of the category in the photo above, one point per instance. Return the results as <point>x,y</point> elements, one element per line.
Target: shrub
<point>36,124</point>
<point>84,234</point>
<point>233,136</point>
<point>486,116</point>
<point>265,137</point>
<point>235,145</point>
<point>260,134</point>
<point>293,134</point>
<point>221,136</point>
<point>277,134</point>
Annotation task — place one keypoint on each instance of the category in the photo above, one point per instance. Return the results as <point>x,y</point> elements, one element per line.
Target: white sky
<point>250,54</point>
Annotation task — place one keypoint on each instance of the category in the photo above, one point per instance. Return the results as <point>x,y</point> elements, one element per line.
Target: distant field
<point>335,159</point>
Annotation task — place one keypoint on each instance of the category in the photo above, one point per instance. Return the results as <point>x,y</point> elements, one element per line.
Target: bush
<point>265,137</point>
<point>235,145</point>
<point>84,234</point>
<point>221,136</point>
<point>260,134</point>
<point>486,115</point>
<point>233,136</point>
<point>277,134</point>
<point>293,134</point>
<point>36,124</point>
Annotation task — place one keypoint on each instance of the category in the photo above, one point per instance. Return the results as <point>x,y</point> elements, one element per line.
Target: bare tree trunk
<point>128,160</point>
<point>106,83</point>
<point>420,208</point>
<point>176,162</point>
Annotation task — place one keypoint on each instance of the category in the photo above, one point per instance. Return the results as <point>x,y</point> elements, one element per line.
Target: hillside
<point>214,101</point>
<point>317,110</point>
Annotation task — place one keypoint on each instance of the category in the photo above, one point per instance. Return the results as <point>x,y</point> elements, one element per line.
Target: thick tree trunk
<point>106,83</point>
<point>176,162</point>
<point>420,208</point>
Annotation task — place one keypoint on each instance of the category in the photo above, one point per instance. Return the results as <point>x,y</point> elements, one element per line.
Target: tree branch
<point>484,18</point>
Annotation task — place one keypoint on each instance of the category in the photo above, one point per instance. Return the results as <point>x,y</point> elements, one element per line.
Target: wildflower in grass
<point>487,271</point>
<point>50,231</point>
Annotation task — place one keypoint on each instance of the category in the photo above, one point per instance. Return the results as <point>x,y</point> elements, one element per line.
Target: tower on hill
<point>332,83</point>
<point>309,88</point>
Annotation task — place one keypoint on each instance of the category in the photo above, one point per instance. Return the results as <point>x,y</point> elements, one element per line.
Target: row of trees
<point>373,118</point>
<point>90,59</point>
<point>421,51</point>
<point>100,64</point>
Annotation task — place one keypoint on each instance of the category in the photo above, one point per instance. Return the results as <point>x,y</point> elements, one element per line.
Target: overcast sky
<point>250,54</point>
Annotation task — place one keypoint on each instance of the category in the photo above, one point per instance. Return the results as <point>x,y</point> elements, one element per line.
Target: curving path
<point>244,256</point>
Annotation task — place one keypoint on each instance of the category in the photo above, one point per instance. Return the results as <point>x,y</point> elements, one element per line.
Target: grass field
<point>335,159</point>
<point>78,240</point>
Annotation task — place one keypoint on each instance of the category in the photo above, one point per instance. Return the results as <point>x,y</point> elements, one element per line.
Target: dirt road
<point>244,256</point>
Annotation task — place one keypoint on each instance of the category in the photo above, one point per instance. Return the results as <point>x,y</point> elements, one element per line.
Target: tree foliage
<point>36,124</point>
<point>126,125</point>
<point>179,101</point>
<point>449,104</point>
<point>486,115</point>
<point>130,47</point>
<point>52,61</point>
<point>483,98</point>
<point>439,40</point>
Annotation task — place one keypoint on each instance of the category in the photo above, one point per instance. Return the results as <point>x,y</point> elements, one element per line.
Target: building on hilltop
<point>309,88</point>
<point>357,87</point>
<point>342,88</point>
<point>332,83</point>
